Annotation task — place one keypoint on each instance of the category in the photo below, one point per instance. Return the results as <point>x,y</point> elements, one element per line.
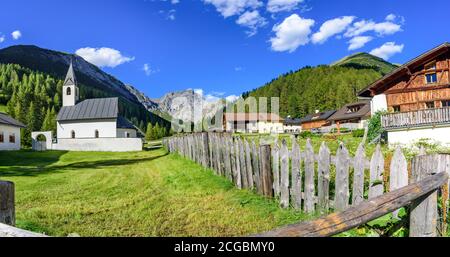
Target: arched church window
<point>69,91</point>
<point>97,134</point>
<point>72,134</point>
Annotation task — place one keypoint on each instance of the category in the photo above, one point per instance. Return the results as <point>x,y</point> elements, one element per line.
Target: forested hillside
<point>323,87</point>
<point>34,98</point>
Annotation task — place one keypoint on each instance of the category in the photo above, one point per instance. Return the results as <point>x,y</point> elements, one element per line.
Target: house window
<point>68,91</point>
<point>431,78</point>
<point>445,103</point>
<point>430,105</point>
<point>353,109</point>
<point>97,134</point>
<point>12,138</point>
<point>72,134</point>
<point>2,138</point>
<point>396,108</point>
<point>127,134</point>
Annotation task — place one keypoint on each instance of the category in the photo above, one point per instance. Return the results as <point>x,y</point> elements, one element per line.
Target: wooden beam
<point>365,212</point>
<point>424,88</point>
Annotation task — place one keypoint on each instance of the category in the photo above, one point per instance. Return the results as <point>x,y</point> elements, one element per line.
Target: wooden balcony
<point>414,119</point>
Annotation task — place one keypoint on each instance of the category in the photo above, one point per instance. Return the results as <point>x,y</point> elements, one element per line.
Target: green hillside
<point>366,61</point>
<point>325,87</point>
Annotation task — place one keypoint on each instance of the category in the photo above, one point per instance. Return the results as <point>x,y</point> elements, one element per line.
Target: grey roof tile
<point>8,120</point>
<point>102,108</point>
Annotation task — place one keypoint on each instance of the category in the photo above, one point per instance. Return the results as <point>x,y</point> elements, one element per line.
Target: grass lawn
<point>3,108</point>
<point>145,193</point>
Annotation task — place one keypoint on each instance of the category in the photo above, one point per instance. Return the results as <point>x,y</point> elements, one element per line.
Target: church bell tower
<point>71,93</point>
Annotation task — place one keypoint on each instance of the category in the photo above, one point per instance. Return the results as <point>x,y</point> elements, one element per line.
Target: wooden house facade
<point>416,97</point>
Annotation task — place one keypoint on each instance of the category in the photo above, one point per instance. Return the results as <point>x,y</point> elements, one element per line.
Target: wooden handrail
<point>363,213</point>
<point>416,118</point>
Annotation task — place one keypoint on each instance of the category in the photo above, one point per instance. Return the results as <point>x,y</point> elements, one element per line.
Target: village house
<point>262,123</point>
<point>316,121</point>
<point>292,126</point>
<point>9,133</point>
<point>416,97</point>
<point>352,116</point>
<point>91,125</point>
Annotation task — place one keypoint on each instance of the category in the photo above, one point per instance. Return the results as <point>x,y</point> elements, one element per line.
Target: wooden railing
<point>429,117</point>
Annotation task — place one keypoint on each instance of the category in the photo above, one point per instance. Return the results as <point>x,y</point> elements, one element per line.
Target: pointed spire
<point>70,77</point>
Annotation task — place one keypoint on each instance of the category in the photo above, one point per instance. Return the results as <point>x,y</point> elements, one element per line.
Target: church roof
<point>101,108</point>
<point>7,120</point>
<point>70,77</point>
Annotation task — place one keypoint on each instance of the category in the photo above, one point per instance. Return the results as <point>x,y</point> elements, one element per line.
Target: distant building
<point>416,97</point>
<point>352,116</point>
<point>262,123</point>
<point>91,125</point>
<point>9,133</point>
<point>292,126</point>
<point>316,120</point>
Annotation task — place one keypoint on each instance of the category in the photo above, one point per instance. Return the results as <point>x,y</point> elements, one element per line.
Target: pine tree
<point>149,133</point>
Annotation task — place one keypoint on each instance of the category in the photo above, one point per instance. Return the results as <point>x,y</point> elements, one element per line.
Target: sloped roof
<point>404,69</point>
<point>124,123</point>
<point>241,117</point>
<point>317,116</point>
<point>8,120</point>
<point>292,121</point>
<point>101,108</point>
<point>344,114</point>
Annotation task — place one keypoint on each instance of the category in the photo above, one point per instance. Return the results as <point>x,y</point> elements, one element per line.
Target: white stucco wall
<point>294,128</point>
<point>408,137</point>
<point>378,103</point>
<point>121,133</point>
<point>99,145</point>
<point>270,127</point>
<point>70,100</point>
<point>7,131</point>
<point>86,129</point>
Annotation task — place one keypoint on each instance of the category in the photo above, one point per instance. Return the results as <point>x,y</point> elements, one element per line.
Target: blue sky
<point>224,47</point>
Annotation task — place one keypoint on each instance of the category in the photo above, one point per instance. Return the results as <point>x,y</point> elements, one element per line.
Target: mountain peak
<point>364,60</point>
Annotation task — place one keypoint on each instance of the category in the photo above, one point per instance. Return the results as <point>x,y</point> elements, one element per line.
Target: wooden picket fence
<point>303,180</point>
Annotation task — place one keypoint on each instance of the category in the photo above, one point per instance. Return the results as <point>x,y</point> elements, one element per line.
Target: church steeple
<point>70,88</point>
<point>70,77</point>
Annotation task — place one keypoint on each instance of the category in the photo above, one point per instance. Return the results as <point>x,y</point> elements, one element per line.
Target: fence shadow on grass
<point>15,171</point>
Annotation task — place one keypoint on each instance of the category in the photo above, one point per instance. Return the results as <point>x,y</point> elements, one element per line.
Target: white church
<point>90,125</point>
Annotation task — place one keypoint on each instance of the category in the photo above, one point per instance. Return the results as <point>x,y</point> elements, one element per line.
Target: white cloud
<point>358,42</point>
<point>175,1</point>
<point>103,57</point>
<point>331,28</point>
<point>252,20</point>
<point>382,28</point>
<point>293,32</point>
<point>391,17</point>
<point>233,7</point>
<point>232,98</point>
<point>171,15</point>
<point>16,34</point>
<point>149,70</point>
<point>387,50</point>
<point>2,38</point>
<point>274,6</point>
<point>238,69</point>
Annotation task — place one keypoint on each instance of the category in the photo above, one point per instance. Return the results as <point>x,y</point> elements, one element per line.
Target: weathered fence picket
<point>342,180</point>
<point>284,175</point>
<point>376,187</point>
<point>358,175</point>
<point>296,191</point>
<point>323,186</point>
<point>309,178</point>
<point>276,168</point>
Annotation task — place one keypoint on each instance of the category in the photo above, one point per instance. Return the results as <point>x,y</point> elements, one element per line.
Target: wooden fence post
<point>266,170</point>
<point>423,218</point>
<point>205,146</point>
<point>284,176</point>
<point>7,208</point>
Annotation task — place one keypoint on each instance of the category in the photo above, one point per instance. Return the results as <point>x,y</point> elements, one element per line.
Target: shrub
<point>375,128</point>
<point>358,133</point>
<point>306,134</point>
<point>343,130</point>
